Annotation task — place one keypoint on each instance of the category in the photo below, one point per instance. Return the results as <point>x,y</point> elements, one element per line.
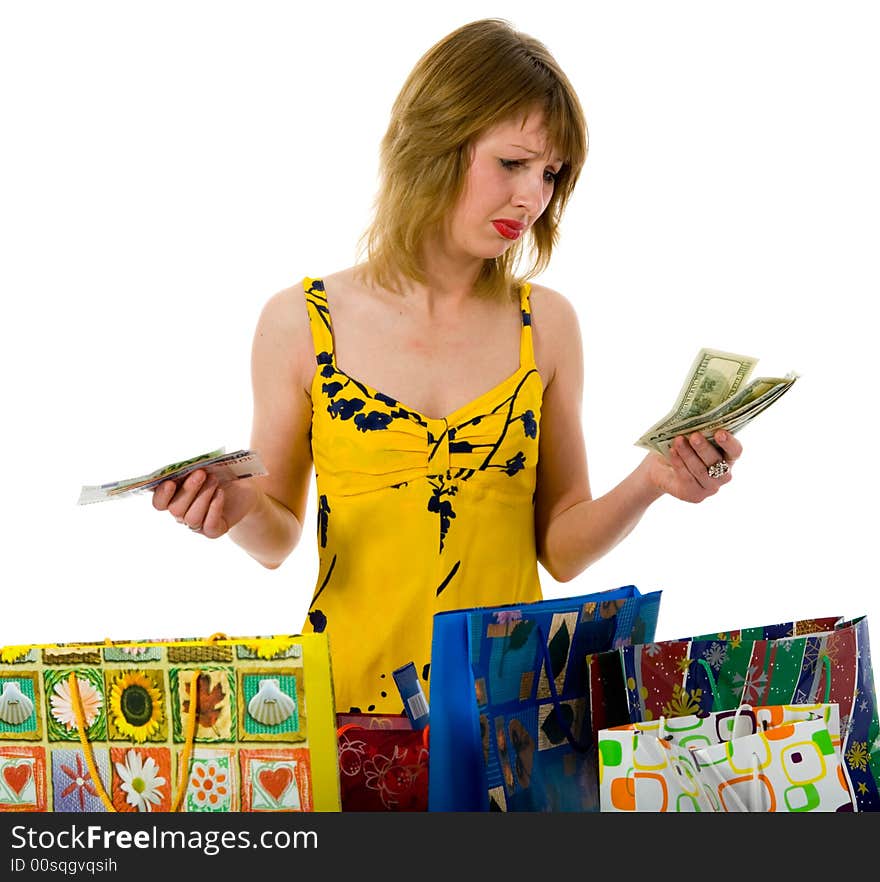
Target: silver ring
<point>719,469</point>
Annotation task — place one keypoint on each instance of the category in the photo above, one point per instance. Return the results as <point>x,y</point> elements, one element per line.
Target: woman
<point>436,392</point>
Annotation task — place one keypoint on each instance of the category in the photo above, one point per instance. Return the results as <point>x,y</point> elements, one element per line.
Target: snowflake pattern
<point>683,703</point>
<point>753,684</point>
<point>716,655</point>
<point>857,756</point>
<point>816,651</point>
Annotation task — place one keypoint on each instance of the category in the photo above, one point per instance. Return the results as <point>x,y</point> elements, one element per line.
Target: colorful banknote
<point>225,467</point>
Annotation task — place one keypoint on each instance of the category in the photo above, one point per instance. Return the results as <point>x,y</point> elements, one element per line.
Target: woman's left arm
<point>573,530</point>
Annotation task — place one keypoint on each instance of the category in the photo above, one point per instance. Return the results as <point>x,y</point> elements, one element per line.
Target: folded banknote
<point>715,395</point>
<point>224,466</point>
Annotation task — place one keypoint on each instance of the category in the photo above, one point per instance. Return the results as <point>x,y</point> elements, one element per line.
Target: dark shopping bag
<point>383,763</point>
<point>508,700</point>
<point>804,662</point>
<point>703,673</point>
<point>832,666</point>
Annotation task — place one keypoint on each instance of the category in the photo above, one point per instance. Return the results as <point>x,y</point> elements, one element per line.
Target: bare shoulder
<point>283,336</point>
<point>550,306</point>
<point>347,294</point>
<point>555,331</point>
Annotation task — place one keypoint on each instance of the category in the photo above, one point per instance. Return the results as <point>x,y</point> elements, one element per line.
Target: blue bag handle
<point>579,746</point>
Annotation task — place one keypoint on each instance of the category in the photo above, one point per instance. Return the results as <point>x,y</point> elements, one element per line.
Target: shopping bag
<point>833,665</point>
<point>706,672</point>
<point>765,759</point>
<point>791,768</point>
<point>243,724</point>
<point>826,660</point>
<point>508,689</point>
<point>383,763</point>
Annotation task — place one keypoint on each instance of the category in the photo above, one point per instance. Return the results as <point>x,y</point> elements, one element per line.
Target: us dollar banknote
<point>715,395</point>
<point>225,467</point>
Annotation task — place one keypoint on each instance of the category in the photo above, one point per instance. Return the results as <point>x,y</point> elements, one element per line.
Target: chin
<point>496,249</point>
<point>485,248</point>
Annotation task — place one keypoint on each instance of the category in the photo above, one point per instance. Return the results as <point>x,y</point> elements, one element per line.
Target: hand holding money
<point>715,396</point>
<point>223,467</point>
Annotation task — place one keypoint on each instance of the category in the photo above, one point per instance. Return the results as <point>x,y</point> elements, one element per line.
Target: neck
<point>449,278</point>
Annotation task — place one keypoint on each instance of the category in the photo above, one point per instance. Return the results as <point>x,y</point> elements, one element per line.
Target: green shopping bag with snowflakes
<point>808,661</point>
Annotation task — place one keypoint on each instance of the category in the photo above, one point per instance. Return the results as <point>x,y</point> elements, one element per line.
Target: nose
<point>530,194</point>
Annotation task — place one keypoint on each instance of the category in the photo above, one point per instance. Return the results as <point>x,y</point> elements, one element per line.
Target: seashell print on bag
<point>15,706</point>
<point>270,705</point>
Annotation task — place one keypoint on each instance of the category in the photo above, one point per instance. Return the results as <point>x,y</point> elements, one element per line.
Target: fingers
<point>730,447</point>
<point>686,473</point>
<point>214,524</point>
<point>706,451</point>
<point>190,501</point>
<point>186,493</point>
<point>195,514</point>
<point>163,494</point>
<point>695,457</point>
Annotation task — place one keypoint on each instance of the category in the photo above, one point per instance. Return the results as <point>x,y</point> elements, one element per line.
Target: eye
<point>550,176</point>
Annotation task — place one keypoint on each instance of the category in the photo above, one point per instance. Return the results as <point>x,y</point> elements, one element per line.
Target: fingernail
<point>722,436</point>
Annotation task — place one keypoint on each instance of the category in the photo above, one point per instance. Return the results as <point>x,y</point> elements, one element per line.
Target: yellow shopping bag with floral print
<point>197,725</point>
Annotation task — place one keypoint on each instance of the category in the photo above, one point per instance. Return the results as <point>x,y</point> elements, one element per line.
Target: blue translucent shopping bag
<point>510,726</point>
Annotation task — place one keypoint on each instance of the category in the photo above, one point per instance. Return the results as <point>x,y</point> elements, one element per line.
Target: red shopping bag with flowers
<point>383,763</point>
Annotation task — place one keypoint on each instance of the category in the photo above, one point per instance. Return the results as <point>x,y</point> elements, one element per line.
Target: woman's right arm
<point>263,515</point>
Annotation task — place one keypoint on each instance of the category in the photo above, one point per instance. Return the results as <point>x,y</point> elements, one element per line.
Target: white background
<point>166,167</point>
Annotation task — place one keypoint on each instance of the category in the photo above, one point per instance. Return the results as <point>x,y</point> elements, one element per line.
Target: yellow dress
<point>415,515</point>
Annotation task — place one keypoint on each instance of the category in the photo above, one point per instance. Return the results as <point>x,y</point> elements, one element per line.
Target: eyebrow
<point>536,152</point>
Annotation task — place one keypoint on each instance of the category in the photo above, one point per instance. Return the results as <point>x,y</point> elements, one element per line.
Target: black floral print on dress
<point>440,505</point>
<point>404,490</point>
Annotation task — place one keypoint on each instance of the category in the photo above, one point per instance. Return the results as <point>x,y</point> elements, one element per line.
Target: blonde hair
<point>481,74</point>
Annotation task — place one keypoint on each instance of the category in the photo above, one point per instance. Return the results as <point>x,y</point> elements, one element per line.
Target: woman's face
<point>509,184</point>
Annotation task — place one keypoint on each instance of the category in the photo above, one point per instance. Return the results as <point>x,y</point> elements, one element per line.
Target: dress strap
<point>526,349</point>
<point>319,319</point>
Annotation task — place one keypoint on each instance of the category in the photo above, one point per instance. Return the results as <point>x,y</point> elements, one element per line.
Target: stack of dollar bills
<point>715,396</point>
<point>225,467</point>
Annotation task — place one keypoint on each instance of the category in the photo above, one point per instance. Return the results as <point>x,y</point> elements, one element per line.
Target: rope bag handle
<point>82,730</point>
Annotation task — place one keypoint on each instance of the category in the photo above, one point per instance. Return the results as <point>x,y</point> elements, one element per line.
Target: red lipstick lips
<point>510,229</point>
